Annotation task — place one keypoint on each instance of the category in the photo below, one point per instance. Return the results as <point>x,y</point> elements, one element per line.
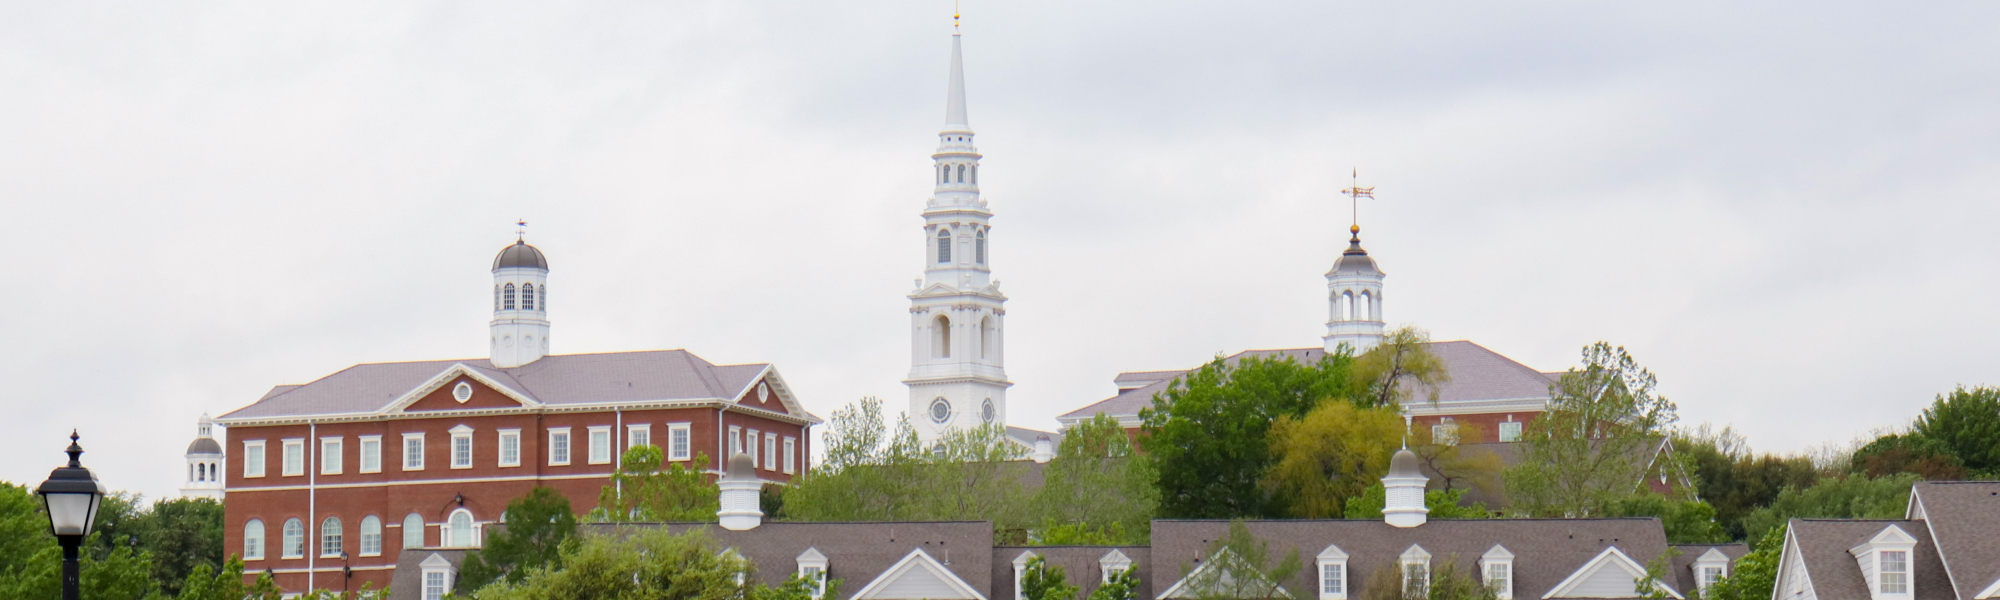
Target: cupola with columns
<point>520,326</point>
<point>1354,298</point>
<point>205,462</point>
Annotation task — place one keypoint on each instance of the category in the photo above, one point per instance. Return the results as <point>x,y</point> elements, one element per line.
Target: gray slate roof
<point>1683,564</point>
<point>1823,545</point>
<point>1964,518</point>
<point>554,380</point>
<point>857,553</point>
<point>1079,564</point>
<point>204,446</point>
<point>1476,374</point>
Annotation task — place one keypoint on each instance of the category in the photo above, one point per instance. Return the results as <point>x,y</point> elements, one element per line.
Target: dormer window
<point>1895,565</point>
<point>1709,568</point>
<point>1885,561</point>
<point>812,568</point>
<point>1496,570</point>
<point>1112,563</point>
<point>1416,567</point>
<point>1332,574</point>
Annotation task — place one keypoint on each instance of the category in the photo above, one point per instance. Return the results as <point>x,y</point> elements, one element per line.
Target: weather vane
<point>521,230</point>
<point>954,15</point>
<point>1354,194</point>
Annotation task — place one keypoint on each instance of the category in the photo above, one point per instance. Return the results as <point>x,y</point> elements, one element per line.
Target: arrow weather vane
<point>1354,194</point>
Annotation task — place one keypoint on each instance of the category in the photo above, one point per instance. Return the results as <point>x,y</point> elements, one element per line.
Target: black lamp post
<point>72,495</point>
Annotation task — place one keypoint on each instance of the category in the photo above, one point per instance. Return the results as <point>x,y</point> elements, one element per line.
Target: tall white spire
<point>957,313</point>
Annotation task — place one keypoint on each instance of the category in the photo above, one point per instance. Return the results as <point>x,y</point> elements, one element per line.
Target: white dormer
<point>1415,563</point>
<point>439,575</point>
<point>1332,573</point>
<point>1496,570</point>
<point>812,567</point>
<point>1886,563</point>
<point>1709,567</point>
<point>1113,562</point>
<point>1021,572</point>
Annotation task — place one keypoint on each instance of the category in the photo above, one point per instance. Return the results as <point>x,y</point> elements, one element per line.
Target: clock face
<point>940,410</point>
<point>986,412</point>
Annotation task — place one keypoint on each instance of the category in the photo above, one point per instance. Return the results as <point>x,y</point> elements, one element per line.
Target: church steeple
<point>520,328</point>
<point>957,313</point>
<point>1354,289</point>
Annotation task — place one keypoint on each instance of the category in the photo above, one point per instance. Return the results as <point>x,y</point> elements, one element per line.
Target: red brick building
<point>349,470</point>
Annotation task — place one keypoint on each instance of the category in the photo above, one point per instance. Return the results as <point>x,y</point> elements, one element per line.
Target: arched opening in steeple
<point>961,173</point>
<point>1347,306</point>
<point>979,247</point>
<point>1364,308</point>
<point>986,337</point>
<point>944,245</point>
<point>941,337</point>
<point>507,297</point>
<point>527,296</point>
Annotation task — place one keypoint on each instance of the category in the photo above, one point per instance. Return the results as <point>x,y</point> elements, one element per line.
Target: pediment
<point>918,577</point>
<point>768,391</point>
<point>1214,577</point>
<point>440,393</point>
<point>1611,574</point>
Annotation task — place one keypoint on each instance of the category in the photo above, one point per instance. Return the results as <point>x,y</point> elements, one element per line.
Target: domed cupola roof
<point>1404,464</point>
<point>1355,261</point>
<point>520,255</point>
<point>204,445</point>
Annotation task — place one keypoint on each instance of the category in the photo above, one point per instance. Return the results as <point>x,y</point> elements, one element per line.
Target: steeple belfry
<point>520,328</point>
<point>1354,290</point>
<point>957,314</point>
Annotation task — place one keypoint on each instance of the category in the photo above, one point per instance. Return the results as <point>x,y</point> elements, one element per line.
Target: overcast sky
<point>1785,209</point>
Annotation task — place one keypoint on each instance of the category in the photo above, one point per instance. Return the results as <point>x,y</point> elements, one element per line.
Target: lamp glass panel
<point>71,513</point>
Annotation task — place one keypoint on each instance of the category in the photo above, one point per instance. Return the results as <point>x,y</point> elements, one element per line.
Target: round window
<point>462,393</point>
<point>986,411</point>
<point>940,410</point>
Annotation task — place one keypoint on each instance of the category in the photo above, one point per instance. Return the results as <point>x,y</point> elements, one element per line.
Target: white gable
<point>1611,574</point>
<point>1207,575</point>
<point>1793,581</point>
<point>918,577</point>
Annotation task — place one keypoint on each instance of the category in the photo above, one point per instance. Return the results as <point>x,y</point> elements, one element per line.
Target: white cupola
<point>740,486</point>
<point>520,328</point>
<point>1354,296</point>
<point>205,462</point>
<point>1404,500</point>
<point>958,317</point>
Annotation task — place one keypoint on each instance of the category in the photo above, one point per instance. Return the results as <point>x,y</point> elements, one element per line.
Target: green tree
<point>31,562</point>
<point>1208,431</point>
<point>1446,582</point>
<point>649,564</point>
<point>1754,576</point>
<point>1686,521</point>
<point>204,583</point>
<point>1120,585</point>
<point>1453,465</point>
<point>1735,480</point>
<point>1846,497</point>
<point>1443,504</point>
<point>1402,363</point>
<point>1967,423</point>
<point>644,489</point>
<point>1330,455</point>
<point>537,526</point>
<point>182,534</point>
<point>1597,440</point>
<point>1043,581</point>
<point>1913,453</point>
<point>872,475</point>
<point>1240,566</point>
<point>1096,482</point>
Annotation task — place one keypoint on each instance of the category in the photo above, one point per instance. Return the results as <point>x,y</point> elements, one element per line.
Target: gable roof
<point>1079,563</point>
<point>1823,546</point>
<point>857,553</point>
<point>1609,575</point>
<point>1183,590</point>
<point>1683,575</point>
<point>916,577</point>
<point>1478,375</point>
<point>555,382</point>
<point>1963,519</point>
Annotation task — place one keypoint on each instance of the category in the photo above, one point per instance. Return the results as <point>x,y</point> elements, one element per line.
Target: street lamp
<point>72,495</point>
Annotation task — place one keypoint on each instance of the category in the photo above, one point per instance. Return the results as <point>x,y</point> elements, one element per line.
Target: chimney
<point>740,506</point>
<point>1404,487</point>
<point>1044,449</point>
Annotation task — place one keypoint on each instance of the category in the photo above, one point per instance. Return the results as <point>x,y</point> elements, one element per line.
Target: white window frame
<point>449,538</point>
<point>361,535</point>
<point>1021,573</point>
<point>750,446</point>
<point>634,432</point>
<point>791,455</point>
<point>1516,426</point>
<point>1498,557</point>
<point>413,462</point>
<point>330,546</point>
<point>811,563</point>
<point>735,443</point>
<point>1445,431</point>
<point>289,467</point>
<point>1332,560</point>
<point>1882,573</point>
<point>1112,562</point>
<point>436,570</point>
<point>462,434</point>
<point>285,541</point>
<point>567,447</point>
<point>1416,556</point>
<point>329,455</point>
<point>600,447</point>
<point>680,441</point>
<point>509,439</point>
<point>419,529</point>
<point>262,539</point>
<point>368,465</point>
<point>253,458</point>
<point>770,451</point>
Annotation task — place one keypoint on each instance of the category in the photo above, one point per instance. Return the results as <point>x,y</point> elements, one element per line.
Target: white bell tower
<point>957,313</point>
<point>520,327</point>
<point>1354,296</point>
<point>205,462</point>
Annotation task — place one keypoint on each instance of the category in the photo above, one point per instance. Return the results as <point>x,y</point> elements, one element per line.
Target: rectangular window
<point>1416,579</point>
<point>678,443</point>
<point>1499,577</point>
<point>751,446</point>
<point>791,455</point>
<point>1895,572</point>
<point>253,458</point>
<point>413,452</point>
<point>770,452</point>
<point>329,456</point>
<point>371,454</point>
<point>1445,432</point>
<point>600,445</point>
<point>1333,580</point>
<point>1709,575</point>
<point>816,575</point>
<point>638,435</point>
<point>461,447</point>
<point>735,443</point>
<point>1510,431</point>
<point>295,458</point>
<point>510,447</point>
<point>435,585</point>
<point>559,446</point>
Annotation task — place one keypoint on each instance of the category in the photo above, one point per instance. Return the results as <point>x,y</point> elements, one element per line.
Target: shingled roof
<point>1823,545</point>
<point>1477,375</point>
<point>1963,518</point>
<point>565,379</point>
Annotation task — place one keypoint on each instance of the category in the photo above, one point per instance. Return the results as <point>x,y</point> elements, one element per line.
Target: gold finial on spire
<point>954,15</point>
<point>521,230</point>
<point>1354,194</point>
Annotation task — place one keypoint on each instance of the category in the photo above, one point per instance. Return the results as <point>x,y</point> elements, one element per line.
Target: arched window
<point>461,530</point>
<point>1362,308</point>
<point>413,531</point>
<point>371,536</point>
<point>329,537</point>
<point>979,247</point>
<point>527,296</point>
<point>1346,306</point>
<point>295,539</point>
<point>507,297</point>
<point>985,337</point>
<point>253,540</point>
<point>941,337</point>
<point>961,173</point>
<point>944,245</point>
